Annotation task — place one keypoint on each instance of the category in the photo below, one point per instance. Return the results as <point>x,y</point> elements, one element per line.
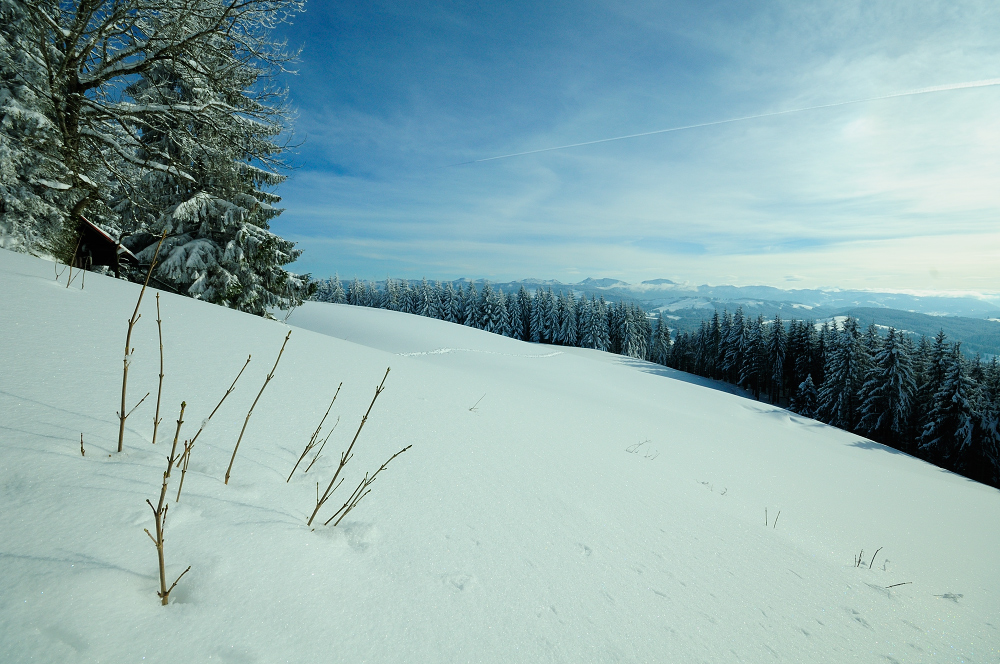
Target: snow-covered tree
<point>33,178</point>
<point>330,290</point>
<point>776,347</point>
<point>602,335</point>
<point>752,368</point>
<point>168,115</point>
<point>472,315</point>
<point>660,351</point>
<point>887,394</point>
<point>951,421</point>
<point>844,376</point>
<point>567,319</point>
<point>804,402</point>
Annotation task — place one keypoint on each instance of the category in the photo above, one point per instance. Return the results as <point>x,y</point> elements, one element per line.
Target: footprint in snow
<point>458,581</point>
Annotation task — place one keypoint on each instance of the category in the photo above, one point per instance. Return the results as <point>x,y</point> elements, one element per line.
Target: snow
<point>518,529</point>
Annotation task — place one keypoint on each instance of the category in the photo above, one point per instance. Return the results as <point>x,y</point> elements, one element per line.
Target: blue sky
<point>891,194</point>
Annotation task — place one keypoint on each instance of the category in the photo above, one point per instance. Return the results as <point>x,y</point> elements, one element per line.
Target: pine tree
<point>550,318</point>
<point>887,394</point>
<point>472,316</point>
<point>506,317</point>
<point>734,345</point>
<point>216,213</point>
<point>660,352</point>
<point>715,339</point>
<point>33,178</point>
<point>602,334</point>
<point>567,320</point>
<point>950,424</point>
<point>777,346</point>
<point>933,367</point>
<point>804,402</point>
<point>491,312</point>
<point>522,327</point>
<point>753,364</point>
<point>423,298</point>
<point>337,295</point>
<point>844,377</point>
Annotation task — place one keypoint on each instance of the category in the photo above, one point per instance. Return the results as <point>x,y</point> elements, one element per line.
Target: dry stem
<point>159,389</point>
<point>128,342</point>
<point>250,412</point>
<point>189,445</point>
<point>313,439</point>
<point>82,451</point>
<point>69,279</point>
<point>160,517</point>
<point>361,491</point>
<point>319,452</point>
<point>346,456</point>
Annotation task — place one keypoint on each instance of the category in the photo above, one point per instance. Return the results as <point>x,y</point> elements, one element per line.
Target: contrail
<point>907,93</point>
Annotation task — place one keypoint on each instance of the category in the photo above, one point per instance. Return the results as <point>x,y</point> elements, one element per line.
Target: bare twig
<point>899,584</point>
<point>138,404</point>
<point>776,520</point>
<point>361,491</point>
<point>346,456</point>
<point>173,448</point>
<point>69,278</point>
<point>159,389</point>
<point>314,438</point>
<point>250,412</point>
<point>128,345</point>
<point>176,580</point>
<point>319,452</point>
<point>873,557</point>
<point>82,451</point>
<point>189,445</point>
<point>160,518</point>
<point>477,403</point>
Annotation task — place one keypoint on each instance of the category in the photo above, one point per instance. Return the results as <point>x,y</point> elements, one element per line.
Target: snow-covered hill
<point>557,504</point>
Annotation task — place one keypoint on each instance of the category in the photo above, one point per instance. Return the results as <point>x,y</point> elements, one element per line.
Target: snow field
<point>521,530</point>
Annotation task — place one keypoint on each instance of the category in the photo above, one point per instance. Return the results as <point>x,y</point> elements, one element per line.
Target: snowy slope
<point>521,530</point>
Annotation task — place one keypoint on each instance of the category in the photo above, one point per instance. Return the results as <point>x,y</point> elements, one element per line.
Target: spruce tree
<point>844,377</point>
<point>449,303</point>
<point>216,215</point>
<point>753,366</point>
<point>777,347</point>
<point>950,425</point>
<point>472,315</point>
<point>660,352</point>
<point>586,318</point>
<point>33,178</point>
<point>888,393</point>
<point>567,320</point>
<point>804,402</point>
<point>602,333</point>
<point>522,327</point>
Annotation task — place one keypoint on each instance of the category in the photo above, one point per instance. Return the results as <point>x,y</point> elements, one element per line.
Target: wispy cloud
<point>899,190</point>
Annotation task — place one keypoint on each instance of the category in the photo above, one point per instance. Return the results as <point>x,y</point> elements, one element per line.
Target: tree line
<point>921,396</point>
<point>540,316</point>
